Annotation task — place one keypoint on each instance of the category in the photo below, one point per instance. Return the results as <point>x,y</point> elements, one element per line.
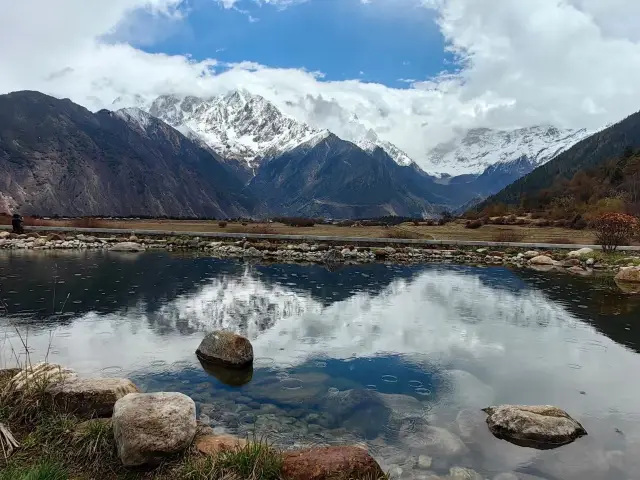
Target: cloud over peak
<point>571,63</point>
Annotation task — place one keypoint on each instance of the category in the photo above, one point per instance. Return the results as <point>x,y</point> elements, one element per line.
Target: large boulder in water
<point>330,463</point>
<point>226,348</point>
<point>151,426</point>
<point>541,427</point>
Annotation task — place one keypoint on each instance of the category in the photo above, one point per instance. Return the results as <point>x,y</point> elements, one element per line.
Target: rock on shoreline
<point>329,253</point>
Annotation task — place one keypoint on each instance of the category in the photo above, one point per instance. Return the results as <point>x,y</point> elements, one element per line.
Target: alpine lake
<point>400,359</point>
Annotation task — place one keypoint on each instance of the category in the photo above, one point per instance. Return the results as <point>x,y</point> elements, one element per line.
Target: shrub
<point>521,221</point>
<point>508,236</point>
<point>346,223</point>
<point>222,224</point>
<point>544,223</point>
<point>614,229</point>
<point>297,221</point>
<point>473,225</point>
<point>498,221</point>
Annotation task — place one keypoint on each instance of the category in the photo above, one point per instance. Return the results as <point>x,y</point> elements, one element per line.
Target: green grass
<point>45,470</point>
<point>612,258</point>
<point>255,461</point>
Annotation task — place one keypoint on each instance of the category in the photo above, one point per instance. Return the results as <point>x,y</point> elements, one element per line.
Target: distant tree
<point>614,230</point>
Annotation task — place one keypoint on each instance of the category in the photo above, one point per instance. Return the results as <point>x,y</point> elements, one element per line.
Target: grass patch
<point>45,470</point>
<point>612,258</point>
<point>255,461</point>
<point>508,236</point>
<point>560,241</point>
<point>401,233</point>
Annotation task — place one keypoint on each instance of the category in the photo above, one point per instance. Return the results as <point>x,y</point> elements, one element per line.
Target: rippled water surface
<point>398,358</point>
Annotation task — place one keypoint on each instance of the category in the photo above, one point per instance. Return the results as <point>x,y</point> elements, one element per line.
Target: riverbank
<point>57,426</point>
<point>574,259</point>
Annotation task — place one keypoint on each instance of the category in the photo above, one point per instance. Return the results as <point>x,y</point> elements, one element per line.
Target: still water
<point>398,358</point>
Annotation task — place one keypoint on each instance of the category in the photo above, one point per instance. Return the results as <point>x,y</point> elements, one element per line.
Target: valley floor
<point>452,231</point>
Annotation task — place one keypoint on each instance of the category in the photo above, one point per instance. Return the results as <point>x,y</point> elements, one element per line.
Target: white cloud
<point>573,63</point>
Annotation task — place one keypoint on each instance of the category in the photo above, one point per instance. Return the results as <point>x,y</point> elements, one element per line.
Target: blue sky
<point>344,39</point>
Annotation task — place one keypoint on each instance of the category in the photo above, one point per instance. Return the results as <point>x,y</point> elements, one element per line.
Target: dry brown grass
<point>509,236</point>
<point>452,231</point>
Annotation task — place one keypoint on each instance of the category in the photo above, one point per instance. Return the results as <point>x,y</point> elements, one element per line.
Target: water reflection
<point>401,358</point>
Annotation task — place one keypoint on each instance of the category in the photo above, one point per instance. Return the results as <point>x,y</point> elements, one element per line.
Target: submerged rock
<point>148,427</point>
<point>434,441</point>
<point>357,410</point>
<point>330,463</point>
<point>226,348</point>
<point>541,427</point>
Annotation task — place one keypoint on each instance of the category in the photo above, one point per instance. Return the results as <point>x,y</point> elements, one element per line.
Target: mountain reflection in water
<point>432,344</point>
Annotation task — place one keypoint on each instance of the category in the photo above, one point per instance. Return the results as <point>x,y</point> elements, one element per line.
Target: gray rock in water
<point>541,427</point>
<point>226,348</point>
<point>127,247</point>
<point>148,427</point>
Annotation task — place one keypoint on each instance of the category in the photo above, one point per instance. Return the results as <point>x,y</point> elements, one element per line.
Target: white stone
<point>542,260</point>
<point>127,247</point>
<point>150,426</point>
<point>425,461</point>
<point>590,261</point>
<point>531,254</point>
<point>5,234</point>
<point>580,253</point>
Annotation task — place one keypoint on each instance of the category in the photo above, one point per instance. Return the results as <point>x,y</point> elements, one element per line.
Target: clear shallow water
<point>398,358</point>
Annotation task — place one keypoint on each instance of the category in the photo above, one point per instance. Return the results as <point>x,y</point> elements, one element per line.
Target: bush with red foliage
<point>614,229</point>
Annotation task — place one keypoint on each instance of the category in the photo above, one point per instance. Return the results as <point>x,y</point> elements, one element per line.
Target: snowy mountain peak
<point>136,117</point>
<point>237,125</point>
<point>370,142</point>
<point>479,148</point>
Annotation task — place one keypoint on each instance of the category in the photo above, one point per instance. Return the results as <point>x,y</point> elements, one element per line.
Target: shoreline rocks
<point>149,427</point>
<point>331,254</point>
<point>540,427</point>
<point>330,462</point>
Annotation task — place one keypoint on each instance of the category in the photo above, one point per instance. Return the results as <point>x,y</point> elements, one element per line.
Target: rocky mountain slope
<point>56,157</point>
<point>330,177</point>
<point>592,152</point>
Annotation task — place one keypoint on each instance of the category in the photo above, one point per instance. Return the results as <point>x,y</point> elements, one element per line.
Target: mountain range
<point>238,155</point>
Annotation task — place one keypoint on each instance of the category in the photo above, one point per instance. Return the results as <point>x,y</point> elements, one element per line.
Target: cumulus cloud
<point>572,63</point>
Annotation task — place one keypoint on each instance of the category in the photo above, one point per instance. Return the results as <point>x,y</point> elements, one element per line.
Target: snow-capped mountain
<point>371,142</point>
<point>480,148</point>
<point>236,125</point>
<point>247,127</point>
